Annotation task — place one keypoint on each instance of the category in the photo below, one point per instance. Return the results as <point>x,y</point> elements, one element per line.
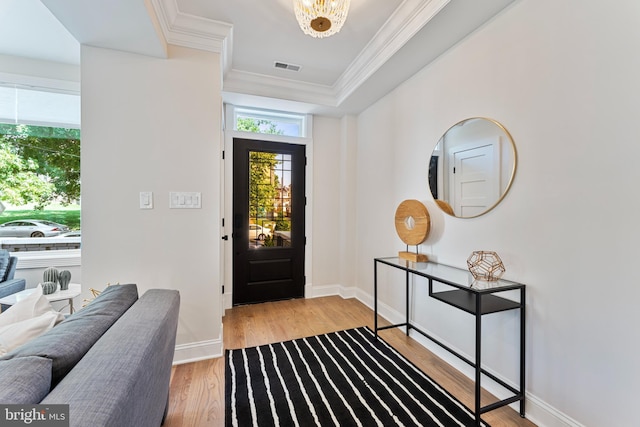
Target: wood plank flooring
<point>197,389</point>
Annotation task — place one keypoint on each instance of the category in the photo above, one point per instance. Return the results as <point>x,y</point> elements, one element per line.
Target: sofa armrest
<point>9,287</point>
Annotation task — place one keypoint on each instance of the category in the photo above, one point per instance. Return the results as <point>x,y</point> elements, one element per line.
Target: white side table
<point>75,289</point>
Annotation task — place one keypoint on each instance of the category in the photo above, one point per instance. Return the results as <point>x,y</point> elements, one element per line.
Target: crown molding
<point>183,29</point>
<point>280,88</point>
<point>215,36</point>
<point>409,18</point>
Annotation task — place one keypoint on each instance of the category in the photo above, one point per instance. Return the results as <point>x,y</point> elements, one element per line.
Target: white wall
<point>326,193</point>
<point>153,124</point>
<point>563,79</point>
<point>333,205</point>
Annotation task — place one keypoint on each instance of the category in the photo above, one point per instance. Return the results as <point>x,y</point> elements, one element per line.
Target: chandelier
<point>321,18</point>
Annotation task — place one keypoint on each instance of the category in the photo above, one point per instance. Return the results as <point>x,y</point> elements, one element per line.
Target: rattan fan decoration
<point>94,293</point>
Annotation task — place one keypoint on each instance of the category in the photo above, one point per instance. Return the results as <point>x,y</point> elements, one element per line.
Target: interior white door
<point>476,177</point>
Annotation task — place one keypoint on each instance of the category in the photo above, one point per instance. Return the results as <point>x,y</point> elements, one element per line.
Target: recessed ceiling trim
<point>408,20</point>
<point>195,32</point>
<point>279,88</point>
<point>410,17</point>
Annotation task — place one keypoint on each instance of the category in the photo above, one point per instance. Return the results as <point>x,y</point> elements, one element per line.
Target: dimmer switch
<point>184,200</point>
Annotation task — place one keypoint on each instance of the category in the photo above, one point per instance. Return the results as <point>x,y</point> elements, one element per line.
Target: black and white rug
<point>338,379</point>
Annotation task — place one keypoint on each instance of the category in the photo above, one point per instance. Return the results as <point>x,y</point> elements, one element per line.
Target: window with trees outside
<point>270,122</point>
<point>39,170</point>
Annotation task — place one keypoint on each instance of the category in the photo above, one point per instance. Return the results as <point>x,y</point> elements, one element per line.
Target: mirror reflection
<point>472,167</point>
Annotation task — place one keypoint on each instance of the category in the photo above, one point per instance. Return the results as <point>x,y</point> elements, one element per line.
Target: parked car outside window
<point>32,228</point>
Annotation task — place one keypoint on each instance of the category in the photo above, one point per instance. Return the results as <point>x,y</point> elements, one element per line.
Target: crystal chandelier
<point>321,18</point>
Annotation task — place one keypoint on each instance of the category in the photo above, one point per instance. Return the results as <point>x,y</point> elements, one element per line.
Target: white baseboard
<point>315,291</point>
<point>537,411</point>
<point>227,301</point>
<point>197,351</point>
<point>544,415</point>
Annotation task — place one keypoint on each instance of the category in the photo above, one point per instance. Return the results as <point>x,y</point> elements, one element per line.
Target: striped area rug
<point>337,379</point>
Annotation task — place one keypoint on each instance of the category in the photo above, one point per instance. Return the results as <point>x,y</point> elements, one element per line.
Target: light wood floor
<point>197,389</point>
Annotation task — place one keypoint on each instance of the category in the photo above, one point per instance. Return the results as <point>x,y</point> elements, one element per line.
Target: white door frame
<point>227,203</point>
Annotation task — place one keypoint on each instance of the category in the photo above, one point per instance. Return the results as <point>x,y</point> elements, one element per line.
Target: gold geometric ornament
<point>485,265</point>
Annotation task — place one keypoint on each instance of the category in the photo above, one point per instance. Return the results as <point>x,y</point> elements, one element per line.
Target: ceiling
<point>382,43</point>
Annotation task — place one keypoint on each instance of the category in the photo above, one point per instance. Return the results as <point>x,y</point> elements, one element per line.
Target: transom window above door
<point>269,122</point>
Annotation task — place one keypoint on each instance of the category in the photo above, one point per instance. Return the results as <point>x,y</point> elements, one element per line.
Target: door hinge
<point>223,289</point>
<point>223,222</point>
<point>454,169</point>
<point>222,154</point>
<point>305,160</point>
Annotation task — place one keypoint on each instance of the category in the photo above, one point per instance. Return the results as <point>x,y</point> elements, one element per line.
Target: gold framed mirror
<point>472,167</point>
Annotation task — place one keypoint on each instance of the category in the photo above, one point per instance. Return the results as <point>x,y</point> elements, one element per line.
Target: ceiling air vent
<point>285,66</point>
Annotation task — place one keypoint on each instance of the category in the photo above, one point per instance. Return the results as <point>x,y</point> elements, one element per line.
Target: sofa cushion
<point>25,380</point>
<point>31,306</point>
<point>70,340</point>
<point>4,264</point>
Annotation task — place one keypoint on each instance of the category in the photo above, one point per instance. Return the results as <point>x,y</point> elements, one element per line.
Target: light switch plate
<point>146,200</point>
<point>185,200</point>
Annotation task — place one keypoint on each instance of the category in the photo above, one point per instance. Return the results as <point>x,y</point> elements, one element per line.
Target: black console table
<point>477,299</point>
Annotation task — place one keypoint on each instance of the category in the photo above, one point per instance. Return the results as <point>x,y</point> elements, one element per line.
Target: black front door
<point>268,221</point>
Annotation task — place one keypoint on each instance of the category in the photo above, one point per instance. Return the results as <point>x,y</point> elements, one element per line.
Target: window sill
<point>39,259</point>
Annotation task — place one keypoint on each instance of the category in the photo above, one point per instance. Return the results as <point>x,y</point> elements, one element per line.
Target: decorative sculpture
<point>50,275</point>
<point>64,277</point>
<point>49,288</point>
<point>413,224</point>
<point>485,265</point>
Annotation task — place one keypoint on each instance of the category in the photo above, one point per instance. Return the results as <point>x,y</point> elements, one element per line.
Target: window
<point>270,122</point>
<point>39,169</point>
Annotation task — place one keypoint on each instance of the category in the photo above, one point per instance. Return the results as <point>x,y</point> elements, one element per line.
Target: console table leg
<point>478,366</point>
<point>375,299</point>
<point>523,329</point>
<point>407,300</point>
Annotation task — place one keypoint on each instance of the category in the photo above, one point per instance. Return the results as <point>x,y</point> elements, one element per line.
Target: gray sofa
<point>110,362</point>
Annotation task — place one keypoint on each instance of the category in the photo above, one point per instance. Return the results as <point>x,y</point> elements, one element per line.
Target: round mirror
<point>472,167</point>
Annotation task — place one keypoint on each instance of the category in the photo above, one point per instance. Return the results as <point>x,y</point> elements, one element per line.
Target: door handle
<point>225,237</point>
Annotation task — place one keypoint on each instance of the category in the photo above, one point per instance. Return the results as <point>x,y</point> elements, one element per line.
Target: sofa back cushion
<point>25,380</point>
<point>4,264</point>
<point>70,340</point>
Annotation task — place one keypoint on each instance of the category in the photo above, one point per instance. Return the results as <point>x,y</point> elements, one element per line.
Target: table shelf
<point>466,301</point>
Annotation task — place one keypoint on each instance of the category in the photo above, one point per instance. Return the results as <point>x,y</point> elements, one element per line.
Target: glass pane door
<point>270,208</point>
